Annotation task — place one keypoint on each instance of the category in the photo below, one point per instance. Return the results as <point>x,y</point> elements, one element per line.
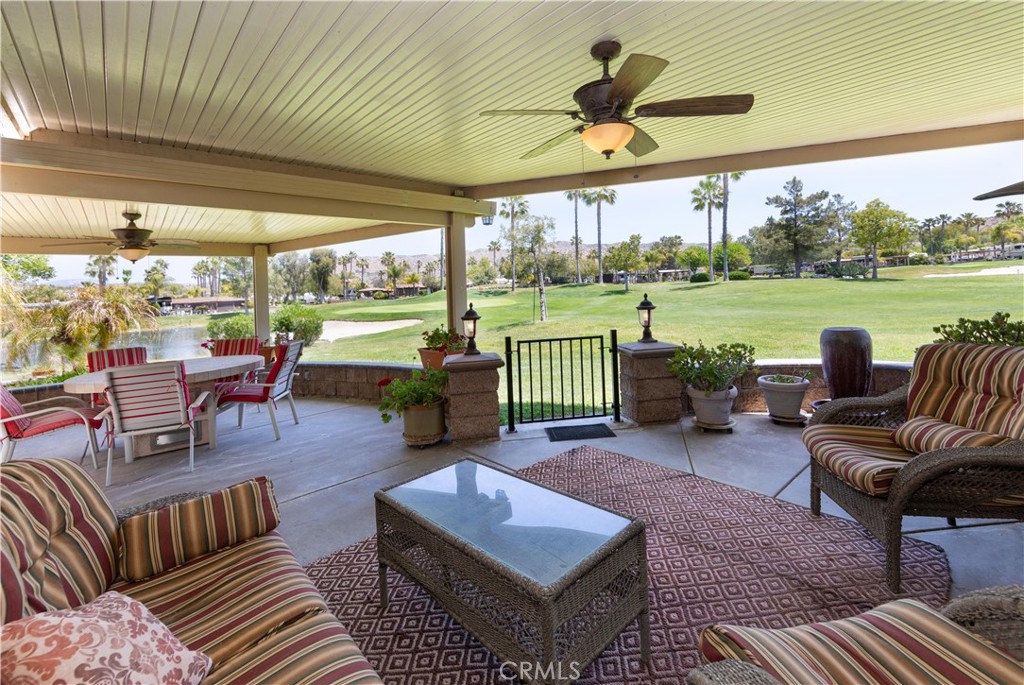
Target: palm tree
<point>576,195</point>
<point>1008,210</point>
<point>346,265</point>
<point>943,220</point>
<point>735,176</point>
<point>99,266</point>
<point>599,196</point>
<point>708,195</point>
<point>513,207</point>
<point>362,263</point>
<point>494,246</point>
<point>926,229</point>
<point>971,220</point>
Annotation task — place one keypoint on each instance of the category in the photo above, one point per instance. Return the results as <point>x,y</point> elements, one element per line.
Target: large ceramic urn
<point>846,361</point>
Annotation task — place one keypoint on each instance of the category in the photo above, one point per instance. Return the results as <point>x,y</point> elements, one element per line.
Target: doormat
<point>716,554</point>
<point>589,431</point>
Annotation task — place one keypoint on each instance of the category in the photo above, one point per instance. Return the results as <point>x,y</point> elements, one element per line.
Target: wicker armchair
<point>948,444</point>
<point>995,615</point>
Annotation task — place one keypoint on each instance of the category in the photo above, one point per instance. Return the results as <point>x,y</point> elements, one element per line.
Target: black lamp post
<point>645,312</point>
<point>469,320</point>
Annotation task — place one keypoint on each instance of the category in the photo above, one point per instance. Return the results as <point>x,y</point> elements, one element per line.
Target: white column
<point>261,291</point>
<point>455,266</point>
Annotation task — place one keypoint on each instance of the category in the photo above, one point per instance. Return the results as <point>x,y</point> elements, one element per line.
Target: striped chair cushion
<point>899,642</point>
<point>222,604</point>
<point>924,434</point>
<point>155,541</point>
<point>232,346</point>
<point>44,423</point>
<point>864,457</point>
<point>125,356</point>
<point>59,530</point>
<point>10,406</point>
<point>313,650</point>
<point>976,386</point>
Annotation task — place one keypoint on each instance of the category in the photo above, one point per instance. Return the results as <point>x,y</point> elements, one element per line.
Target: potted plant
<point>438,344</point>
<point>420,401</point>
<point>784,395</point>
<point>708,373</point>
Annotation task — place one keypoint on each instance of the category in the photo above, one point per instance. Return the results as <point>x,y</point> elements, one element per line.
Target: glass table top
<point>538,532</point>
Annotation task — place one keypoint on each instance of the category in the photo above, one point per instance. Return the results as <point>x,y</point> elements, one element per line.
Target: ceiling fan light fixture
<point>133,254</point>
<point>608,137</point>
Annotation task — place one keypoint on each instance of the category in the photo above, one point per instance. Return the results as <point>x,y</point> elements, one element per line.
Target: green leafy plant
<point>443,340</point>
<point>298,322</point>
<point>999,330</point>
<point>237,326</point>
<point>711,369</point>
<point>424,388</point>
<point>700,277</point>
<point>789,377</point>
<point>739,275</point>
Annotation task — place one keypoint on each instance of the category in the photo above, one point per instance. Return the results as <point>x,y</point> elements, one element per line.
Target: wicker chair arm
<point>730,672</point>
<point>995,613</point>
<point>928,468</point>
<point>888,410</point>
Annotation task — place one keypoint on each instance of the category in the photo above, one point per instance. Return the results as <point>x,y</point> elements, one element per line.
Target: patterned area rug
<point>716,553</point>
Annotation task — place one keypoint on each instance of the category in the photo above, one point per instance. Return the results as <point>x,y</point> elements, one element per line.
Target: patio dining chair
<point>226,347</point>
<point>20,421</point>
<point>100,360</point>
<point>276,385</point>
<point>154,399</point>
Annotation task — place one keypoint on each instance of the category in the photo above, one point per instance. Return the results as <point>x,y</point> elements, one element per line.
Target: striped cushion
<point>924,434</point>
<point>155,541</point>
<point>59,530</point>
<point>315,649</point>
<point>44,423</point>
<point>231,346</point>
<point>125,356</point>
<point>10,406</point>
<point>899,642</point>
<point>222,604</point>
<point>976,386</point>
<point>865,457</point>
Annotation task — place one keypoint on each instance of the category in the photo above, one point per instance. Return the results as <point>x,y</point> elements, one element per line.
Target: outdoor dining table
<point>200,374</point>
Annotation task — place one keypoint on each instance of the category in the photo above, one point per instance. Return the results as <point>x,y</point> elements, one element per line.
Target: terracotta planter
<point>712,410</point>
<point>784,399</point>
<point>431,359</point>
<point>424,424</point>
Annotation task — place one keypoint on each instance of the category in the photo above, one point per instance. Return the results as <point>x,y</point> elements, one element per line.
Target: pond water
<point>169,343</point>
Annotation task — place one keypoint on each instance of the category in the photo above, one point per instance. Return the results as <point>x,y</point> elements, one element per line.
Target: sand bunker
<point>348,329</point>
<point>999,271</point>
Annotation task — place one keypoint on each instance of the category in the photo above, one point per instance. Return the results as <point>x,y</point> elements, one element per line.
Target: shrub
<point>919,259</point>
<point>739,275</point>
<point>1000,330</point>
<point>237,326</point>
<point>700,277</point>
<point>298,322</point>
<point>847,270</point>
<point>380,295</point>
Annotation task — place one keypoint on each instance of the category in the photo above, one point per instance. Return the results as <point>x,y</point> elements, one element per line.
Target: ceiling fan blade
<point>514,112</point>
<point>175,244</point>
<point>698,107</point>
<point>92,240</point>
<point>641,143</point>
<point>636,73</point>
<point>557,140</point>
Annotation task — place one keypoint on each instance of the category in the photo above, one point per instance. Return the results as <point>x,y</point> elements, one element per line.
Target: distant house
<point>208,304</point>
<point>368,293</point>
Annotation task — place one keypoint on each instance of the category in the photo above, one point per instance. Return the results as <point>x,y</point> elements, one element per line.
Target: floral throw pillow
<point>113,639</point>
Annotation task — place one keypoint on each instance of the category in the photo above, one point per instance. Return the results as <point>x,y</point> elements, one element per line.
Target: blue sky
<point>922,184</point>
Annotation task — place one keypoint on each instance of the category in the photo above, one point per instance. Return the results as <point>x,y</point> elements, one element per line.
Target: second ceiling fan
<point>604,106</point>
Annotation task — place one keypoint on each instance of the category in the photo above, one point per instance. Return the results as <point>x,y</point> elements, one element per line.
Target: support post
<point>455,268</point>
<point>261,291</point>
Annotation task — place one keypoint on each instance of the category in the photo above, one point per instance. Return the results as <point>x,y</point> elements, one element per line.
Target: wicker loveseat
<point>221,592</point>
<point>948,444</point>
<point>977,638</point>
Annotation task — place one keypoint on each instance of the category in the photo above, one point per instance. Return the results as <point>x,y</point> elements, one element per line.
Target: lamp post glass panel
<point>488,220</point>
<point>469,320</point>
<point>645,312</point>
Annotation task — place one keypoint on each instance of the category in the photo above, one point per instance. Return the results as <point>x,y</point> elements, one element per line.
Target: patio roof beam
<point>15,245</point>
<point>349,236</point>
<point>826,152</point>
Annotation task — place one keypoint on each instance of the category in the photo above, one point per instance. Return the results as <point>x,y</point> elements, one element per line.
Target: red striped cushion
<point>124,356</point>
<point>924,434</point>
<point>222,604</point>
<point>10,406</point>
<point>899,642</point>
<point>44,423</point>
<point>232,346</point>
<point>154,541</point>
<point>976,386</point>
<point>863,456</point>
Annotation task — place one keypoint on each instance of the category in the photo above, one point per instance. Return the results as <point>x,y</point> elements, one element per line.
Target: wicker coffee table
<point>543,579</point>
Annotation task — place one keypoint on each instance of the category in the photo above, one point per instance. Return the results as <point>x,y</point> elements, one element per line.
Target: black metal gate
<point>561,378</point>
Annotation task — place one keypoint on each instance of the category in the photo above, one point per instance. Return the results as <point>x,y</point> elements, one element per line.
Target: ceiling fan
<point>604,106</point>
<point>133,243</point>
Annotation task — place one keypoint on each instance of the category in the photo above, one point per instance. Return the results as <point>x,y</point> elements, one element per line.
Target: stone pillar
<point>472,411</point>
<point>650,391</point>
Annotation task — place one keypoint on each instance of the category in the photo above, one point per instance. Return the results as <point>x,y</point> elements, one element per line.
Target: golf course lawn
<point>781,318</point>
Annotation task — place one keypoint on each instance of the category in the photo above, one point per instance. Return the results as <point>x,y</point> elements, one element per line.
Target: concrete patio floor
<point>326,469</point>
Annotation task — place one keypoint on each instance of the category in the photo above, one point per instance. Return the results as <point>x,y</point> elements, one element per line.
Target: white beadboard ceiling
<point>208,116</point>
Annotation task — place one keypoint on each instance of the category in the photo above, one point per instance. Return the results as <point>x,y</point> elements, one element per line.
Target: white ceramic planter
<point>715,409</point>
<point>784,399</point>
